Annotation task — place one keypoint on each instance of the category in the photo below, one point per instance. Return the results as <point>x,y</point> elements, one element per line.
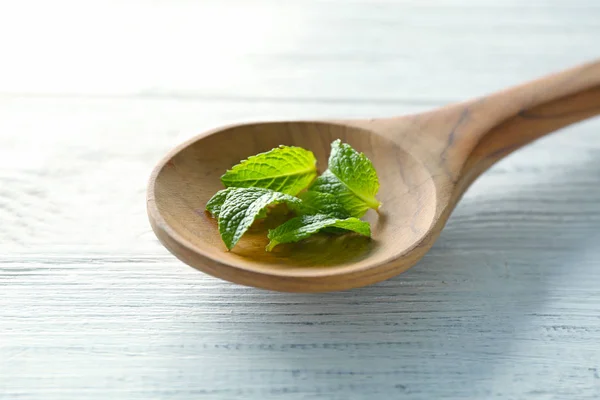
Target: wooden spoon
<point>425,163</point>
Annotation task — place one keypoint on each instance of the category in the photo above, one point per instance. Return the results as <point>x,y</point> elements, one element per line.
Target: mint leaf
<point>351,178</point>
<point>322,203</point>
<point>216,202</point>
<point>283,169</point>
<point>329,184</point>
<point>334,202</point>
<point>242,206</point>
<point>302,227</point>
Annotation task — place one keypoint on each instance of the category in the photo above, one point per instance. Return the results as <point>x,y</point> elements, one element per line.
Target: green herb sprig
<point>334,202</point>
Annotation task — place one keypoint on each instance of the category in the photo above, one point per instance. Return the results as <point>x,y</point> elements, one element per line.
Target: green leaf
<point>322,203</point>
<point>242,206</point>
<point>304,226</point>
<point>329,184</point>
<point>284,169</point>
<point>216,202</point>
<point>351,178</point>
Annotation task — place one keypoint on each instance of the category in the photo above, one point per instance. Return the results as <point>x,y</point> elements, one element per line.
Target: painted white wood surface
<point>506,305</point>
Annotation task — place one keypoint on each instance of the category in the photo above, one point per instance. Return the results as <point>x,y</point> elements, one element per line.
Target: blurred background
<point>94,93</point>
<point>314,50</point>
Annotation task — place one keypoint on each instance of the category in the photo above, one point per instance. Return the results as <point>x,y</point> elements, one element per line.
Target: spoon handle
<point>523,98</point>
<point>505,121</point>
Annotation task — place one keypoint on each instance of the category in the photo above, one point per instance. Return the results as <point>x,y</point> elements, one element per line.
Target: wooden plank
<point>507,295</point>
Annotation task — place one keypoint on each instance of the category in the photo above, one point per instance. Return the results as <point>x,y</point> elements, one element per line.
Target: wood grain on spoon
<point>425,163</point>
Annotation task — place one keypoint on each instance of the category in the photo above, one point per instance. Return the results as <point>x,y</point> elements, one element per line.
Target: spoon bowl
<point>190,175</point>
<point>425,163</point>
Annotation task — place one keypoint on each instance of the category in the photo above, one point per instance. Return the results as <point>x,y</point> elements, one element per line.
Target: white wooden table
<point>506,305</point>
